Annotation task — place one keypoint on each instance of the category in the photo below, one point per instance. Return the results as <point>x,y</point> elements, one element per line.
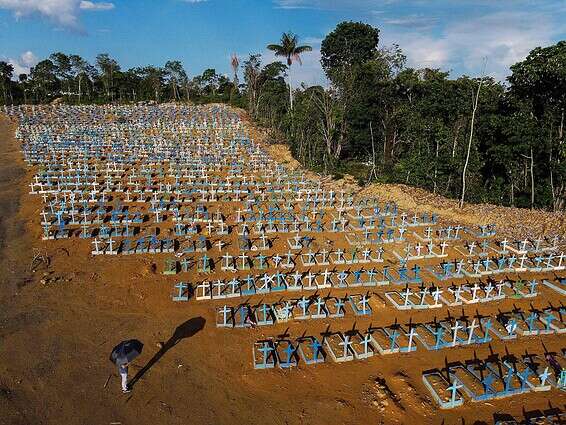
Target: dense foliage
<point>74,80</point>
<point>378,119</point>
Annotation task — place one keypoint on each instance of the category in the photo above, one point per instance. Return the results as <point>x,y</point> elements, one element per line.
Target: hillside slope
<point>518,223</point>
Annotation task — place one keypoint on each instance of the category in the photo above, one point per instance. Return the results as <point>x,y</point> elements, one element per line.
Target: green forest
<point>473,139</point>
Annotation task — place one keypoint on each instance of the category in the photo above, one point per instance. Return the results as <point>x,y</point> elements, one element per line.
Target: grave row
<point>482,380</point>
<point>358,345</point>
<point>430,297</point>
<point>246,315</point>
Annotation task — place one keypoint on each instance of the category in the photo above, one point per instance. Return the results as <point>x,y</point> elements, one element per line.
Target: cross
<point>406,294</point>
<point>364,303</point>
<point>418,248</point>
<point>430,247</point>
<point>303,303</point>
<point>487,327</point>
<point>96,242</point>
<point>423,293</point>
<point>455,329</point>
<point>471,328</point>
<point>471,247</point>
<point>227,260</point>
<point>488,289</point>
<point>549,318</point>
<point>265,309</point>
<point>346,343</point>
<point>311,278</point>
<point>365,342</point>
<point>234,284</point>
<point>544,376</point>
<point>44,215</point>
<point>531,320</point>
<point>511,326</point>
<point>266,279</point>
<point>276,260</point>
<point>411,335</point>
<point>524,376</point>
<point>560,259</point>
<point>219,244</point>
<point>326,274</point>
<point>287,310</point>
<point>456,292</point>
<point>456,385</point>
<point>319,305</point>
<point>225,314</point>
<point>205,262</point>
<point>265,350</point>
<point>392,338</point>
<point>289,352</point>
<point>532,286</point>
<point>244,259</point>
<point>523,258</point>
<point>500,286</point>
<point>487,383</point>
<point>438,333</point>
<point>474,290</point>
<point>297,278</point>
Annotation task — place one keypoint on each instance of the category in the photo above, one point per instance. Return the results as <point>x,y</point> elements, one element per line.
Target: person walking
<point>122,355</point>
<point>123,370</point>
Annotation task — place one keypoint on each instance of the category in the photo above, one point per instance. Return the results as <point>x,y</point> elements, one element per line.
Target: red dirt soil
<point>59,322</point>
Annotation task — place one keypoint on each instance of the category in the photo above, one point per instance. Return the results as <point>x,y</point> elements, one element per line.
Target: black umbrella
<point>126,351</point>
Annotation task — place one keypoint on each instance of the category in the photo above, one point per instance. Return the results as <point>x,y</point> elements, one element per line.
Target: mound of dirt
<point>516,223</point>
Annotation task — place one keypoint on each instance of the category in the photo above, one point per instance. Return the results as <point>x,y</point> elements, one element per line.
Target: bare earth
<point>59,322</point>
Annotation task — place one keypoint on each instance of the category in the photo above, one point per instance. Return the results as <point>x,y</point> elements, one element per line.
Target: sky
<point>460,36</point>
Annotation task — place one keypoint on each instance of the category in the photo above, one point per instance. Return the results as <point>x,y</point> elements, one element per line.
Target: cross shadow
<point>184,330</point>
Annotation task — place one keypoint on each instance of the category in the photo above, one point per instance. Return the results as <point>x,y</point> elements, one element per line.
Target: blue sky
<point>455,35</point>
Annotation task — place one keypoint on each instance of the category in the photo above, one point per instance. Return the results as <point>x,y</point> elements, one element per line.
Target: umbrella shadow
<point>183,331</point>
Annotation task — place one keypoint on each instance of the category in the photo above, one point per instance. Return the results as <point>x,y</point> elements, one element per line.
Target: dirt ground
<point>60,319</point>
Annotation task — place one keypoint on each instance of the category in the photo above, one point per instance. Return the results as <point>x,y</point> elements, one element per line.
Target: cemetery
<point>292,273</point>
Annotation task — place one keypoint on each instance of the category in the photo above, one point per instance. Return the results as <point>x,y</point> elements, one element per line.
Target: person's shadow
<point>184,330</point>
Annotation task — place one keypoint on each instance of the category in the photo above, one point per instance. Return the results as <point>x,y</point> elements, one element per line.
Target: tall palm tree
<point>289,49</point>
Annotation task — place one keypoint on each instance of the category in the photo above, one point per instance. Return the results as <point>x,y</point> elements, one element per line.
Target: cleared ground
<point>59,320</point>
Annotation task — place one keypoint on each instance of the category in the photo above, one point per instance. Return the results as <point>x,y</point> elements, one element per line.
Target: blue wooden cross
<point>182,293</point>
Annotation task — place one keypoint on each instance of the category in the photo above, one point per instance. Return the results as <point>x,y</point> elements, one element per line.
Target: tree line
<point>475,139</point>
<point>76,81</point>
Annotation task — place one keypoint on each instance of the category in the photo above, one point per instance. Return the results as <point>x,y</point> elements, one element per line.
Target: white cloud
<point>455,35</point>
<point>502,38</point>
<point>324,4</point>
<point>88,5</point>
<point>22,64</point>
<point>28,59</point>
<point>419,22</point>
<point>63,13</point>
